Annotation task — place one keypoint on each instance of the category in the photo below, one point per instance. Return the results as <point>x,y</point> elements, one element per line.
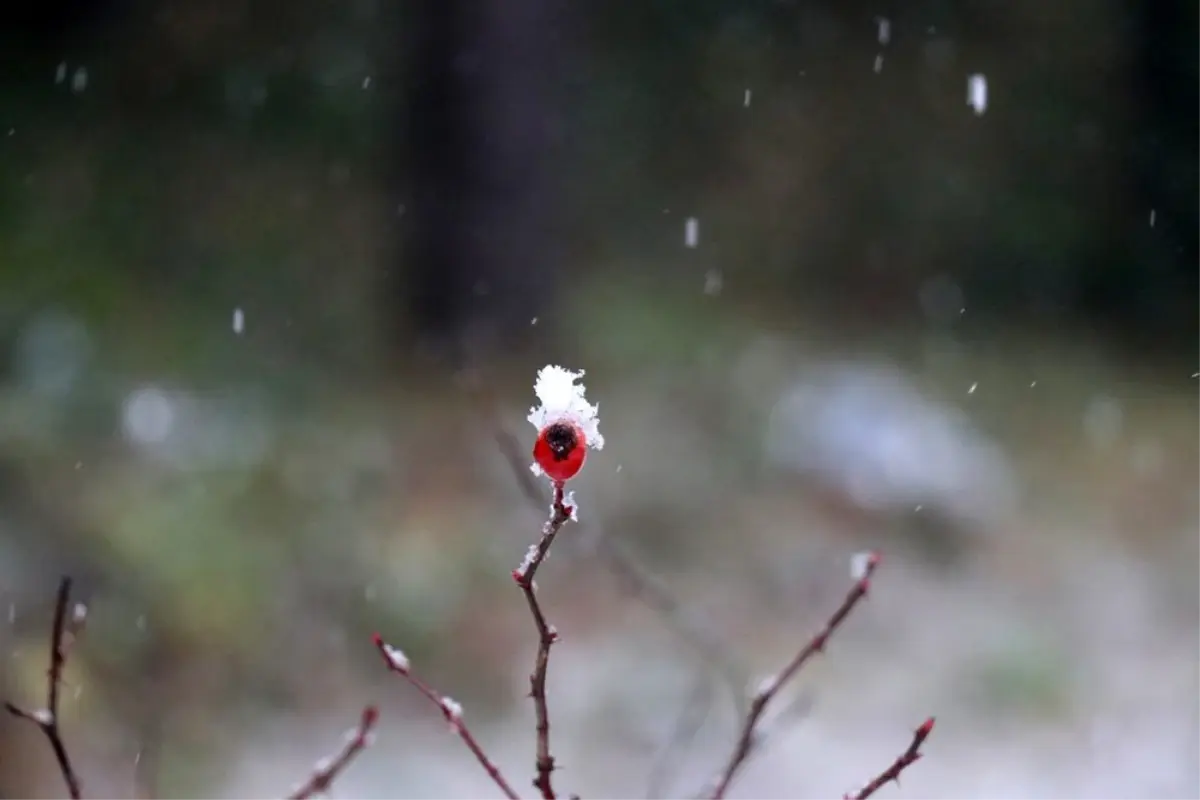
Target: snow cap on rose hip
<point>567,424</point>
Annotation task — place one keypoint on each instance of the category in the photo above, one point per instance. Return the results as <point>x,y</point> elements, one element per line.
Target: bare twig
<point>772,685</point>
<point>560,514</point>
<point>327,769</point>
<point>46,719</point>
<point>397,662</point>
<point>905,760</point>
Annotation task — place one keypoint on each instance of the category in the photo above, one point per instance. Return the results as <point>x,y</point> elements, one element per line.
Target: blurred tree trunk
<point>479,200</point>
<point>1166,249</point>
<point>59,23</point>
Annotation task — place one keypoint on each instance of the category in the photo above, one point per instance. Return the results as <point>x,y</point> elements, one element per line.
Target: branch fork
<point>62,635</point>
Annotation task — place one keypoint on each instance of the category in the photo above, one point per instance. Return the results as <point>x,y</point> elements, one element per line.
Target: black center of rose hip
<point>562,440</point>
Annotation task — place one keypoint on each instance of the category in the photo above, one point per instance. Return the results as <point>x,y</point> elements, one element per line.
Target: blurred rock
<point>875,455</point>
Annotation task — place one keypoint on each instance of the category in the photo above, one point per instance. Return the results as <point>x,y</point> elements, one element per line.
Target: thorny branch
<point>772,685</point>
<point>46,719</point>
<point>560,514</point>
<point>328,769</point>
<point>397,662</point>
<point>906,759</point>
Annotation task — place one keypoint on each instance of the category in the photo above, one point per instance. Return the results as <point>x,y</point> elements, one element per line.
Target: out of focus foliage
<point>181,158</point>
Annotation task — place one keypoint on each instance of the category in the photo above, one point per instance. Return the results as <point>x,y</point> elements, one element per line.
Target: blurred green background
<point>272,278</point>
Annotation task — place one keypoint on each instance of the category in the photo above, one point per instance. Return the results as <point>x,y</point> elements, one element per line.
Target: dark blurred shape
<point>1166,158</point>
<point>479,201</point>
<point>55,22</point>
<point>885,460</point>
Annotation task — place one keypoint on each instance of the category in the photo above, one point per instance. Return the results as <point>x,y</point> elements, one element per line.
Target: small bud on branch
<point>906,759</point>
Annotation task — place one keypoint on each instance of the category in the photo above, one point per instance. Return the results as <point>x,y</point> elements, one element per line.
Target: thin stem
<point>397,663</point>
<point>771,686</point>
<point>905,760</point>
<point>524,575</point>
<point>47,719</point>
<point>328,769</point>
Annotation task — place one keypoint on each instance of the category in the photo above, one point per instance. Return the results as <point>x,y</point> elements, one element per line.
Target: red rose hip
<point>560,450</point>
